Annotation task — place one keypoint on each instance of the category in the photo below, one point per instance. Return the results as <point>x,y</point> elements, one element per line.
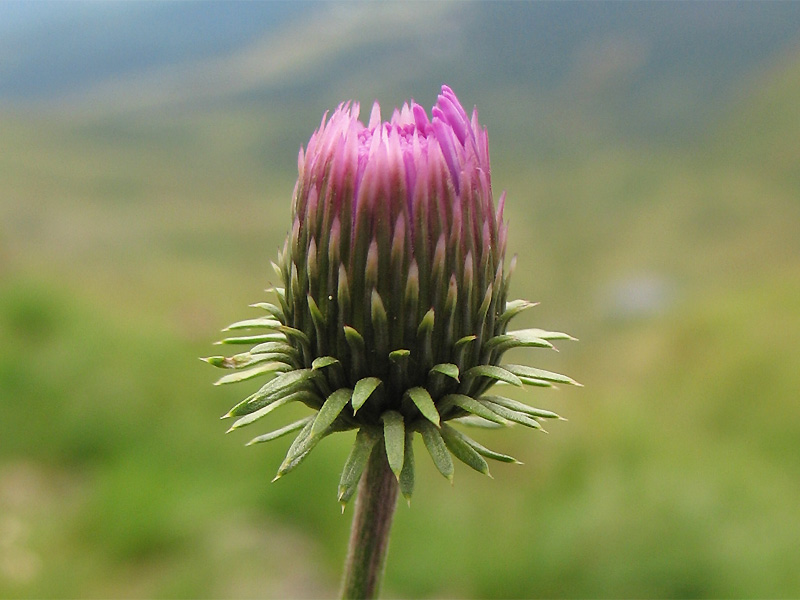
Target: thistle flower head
<point>392,317</point>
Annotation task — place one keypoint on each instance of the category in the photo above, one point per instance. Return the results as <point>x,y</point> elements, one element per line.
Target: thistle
<point>392,316</point>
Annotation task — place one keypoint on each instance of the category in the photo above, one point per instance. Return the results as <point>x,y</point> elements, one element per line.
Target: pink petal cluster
<point>411,167</point>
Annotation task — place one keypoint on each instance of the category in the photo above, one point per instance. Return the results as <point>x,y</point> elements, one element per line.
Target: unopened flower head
<point>392,315</point>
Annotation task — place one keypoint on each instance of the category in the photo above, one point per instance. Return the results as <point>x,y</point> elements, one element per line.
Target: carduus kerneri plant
<point>392,316</point>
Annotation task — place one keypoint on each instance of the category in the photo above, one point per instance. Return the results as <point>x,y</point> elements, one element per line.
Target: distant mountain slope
<point>590,69</point>
<point>49,49</point>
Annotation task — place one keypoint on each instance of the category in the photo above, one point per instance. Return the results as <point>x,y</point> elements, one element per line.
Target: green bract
<point>393,317</point>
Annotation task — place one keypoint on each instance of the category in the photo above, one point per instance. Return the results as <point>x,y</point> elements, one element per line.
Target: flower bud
<point>393,317</point>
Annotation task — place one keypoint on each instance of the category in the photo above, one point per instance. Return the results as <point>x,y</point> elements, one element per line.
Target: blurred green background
<point>651,157</point>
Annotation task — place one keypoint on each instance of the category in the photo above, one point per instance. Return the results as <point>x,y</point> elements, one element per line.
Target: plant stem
<point>369,535</point>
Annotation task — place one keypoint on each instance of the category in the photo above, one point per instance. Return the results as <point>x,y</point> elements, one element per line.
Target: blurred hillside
<point>649,151</point>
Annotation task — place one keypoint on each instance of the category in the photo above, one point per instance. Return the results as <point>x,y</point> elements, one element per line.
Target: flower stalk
<point>375,504</point>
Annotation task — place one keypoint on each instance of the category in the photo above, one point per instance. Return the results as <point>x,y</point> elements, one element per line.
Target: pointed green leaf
<point>363,390</point>
<point>331,409</point>
<point>275,346</point>
<point>274,435</point>
<point>514,307</point>
<point>507,341</point>
<point>354,338</point>
<point>394,439</point>
<point>254,323</point>
<point>256,415</point>
<point>282,385</point>
<point>482,450</point>
<point>407,473</point>
<point>536,382</point>
<point>469,404</point>
<point>448,369</point>
<point>270,367</point>
<point>221,362</point>
<point>400,367</point>
<point>302,445</point>
<point>437,449</point>
<point>523,408</point>
<point>296,334</point>
<point>247,359</point>
<point>322,362</point>
<point>426,324</point>
<point>511,415</point>
<point>253,339</point>
<point>463,451</point>
<point>494,372</point>
<point>333,373</point>
<point>357,350</point>
<point>465,340</point>
<point>533,373</point>
<point>271,309</point>
<point>475,421</point>
<point>399,356</point>
<point>425,337</point>
<point>380,325</point>
<point>541,334</point>
<point>278,271</point>
<point>316,313</point>
<point>356,463</point>
<point>423,401</point>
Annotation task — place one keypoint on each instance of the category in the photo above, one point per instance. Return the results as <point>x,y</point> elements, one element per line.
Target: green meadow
<point>128,241</point>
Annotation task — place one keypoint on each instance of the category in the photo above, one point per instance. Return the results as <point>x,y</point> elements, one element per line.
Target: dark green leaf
<point>522,408</point>
<point>331,409</point>
<point>533,373</point>
<point>494,372</point>
<point>222,362</point>
<point>282,385</point>
<point>296,334</point>
<point>423,401</point>
<point>407,474</point>
<point>270,367</point>
<point>514,307</point>
<point>256,415</point>
<point>380,325</point>
<point>541,334</point>
<point>511,415</point>
<point>507,341</point>
<point>271,309</point>
<point>254,339</point>
<point>469,404</point>
<point>425,338</point>
<point>322,362</point>
<point>275,346</point>
<point>363,390</point>
<point>274,435</point>
<point>465,340</point>
<point>300,448</point>
<point>357,350</point>
<point>399,356</point>
<point>475,421</point>
<point>394,439</point>
<point>437,449</point>
<point>463,451</point>
<point>482,450</point>
<point>448,369</point>
<point>355,464</point>
<point>247,359</point>
<point>254,323</point>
